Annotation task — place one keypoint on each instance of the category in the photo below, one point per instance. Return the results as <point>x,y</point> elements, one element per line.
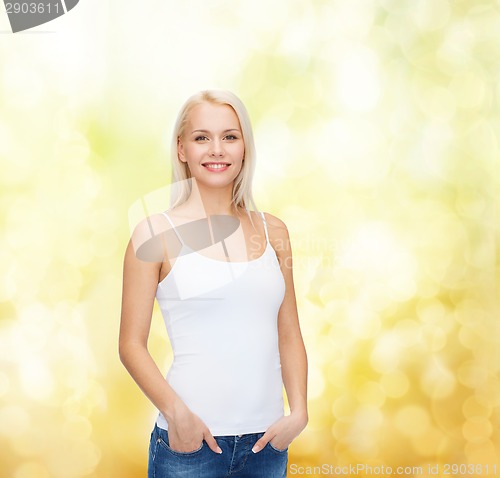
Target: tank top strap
<point>265,226</point>
<point>173,227</point>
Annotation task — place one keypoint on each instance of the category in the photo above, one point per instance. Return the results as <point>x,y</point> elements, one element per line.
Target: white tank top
<point>221,319</point>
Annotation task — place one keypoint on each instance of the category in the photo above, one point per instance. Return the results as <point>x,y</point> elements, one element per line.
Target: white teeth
<point>215,165</point>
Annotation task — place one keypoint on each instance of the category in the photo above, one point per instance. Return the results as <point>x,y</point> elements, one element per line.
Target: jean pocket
<point>164,441</point>
<point>277,449</point>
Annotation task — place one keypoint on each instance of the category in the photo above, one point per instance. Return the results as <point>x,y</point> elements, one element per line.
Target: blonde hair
<point>242,186</point>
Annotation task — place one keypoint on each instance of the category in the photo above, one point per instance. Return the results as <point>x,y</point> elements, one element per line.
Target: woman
<point>222,275</point>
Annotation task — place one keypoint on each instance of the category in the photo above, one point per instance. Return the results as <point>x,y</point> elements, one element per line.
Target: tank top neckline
<point>211,259</point>
<point>253,261</point>
<point>268,245</point>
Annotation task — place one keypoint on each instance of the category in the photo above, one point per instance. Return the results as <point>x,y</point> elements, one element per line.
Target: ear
<point>180,150</point>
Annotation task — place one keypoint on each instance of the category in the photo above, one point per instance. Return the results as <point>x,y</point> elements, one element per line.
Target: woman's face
<point>212,144</point>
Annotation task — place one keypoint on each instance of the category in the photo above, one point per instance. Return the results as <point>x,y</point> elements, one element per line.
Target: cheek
<point>238,152</point>
<point>192,151</point>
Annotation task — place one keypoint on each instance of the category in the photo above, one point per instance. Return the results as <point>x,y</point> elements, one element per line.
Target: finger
<point>261,442</point>
<point>212,443</point>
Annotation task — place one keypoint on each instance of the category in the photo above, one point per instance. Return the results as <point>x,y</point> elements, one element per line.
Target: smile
<point>218,167</point>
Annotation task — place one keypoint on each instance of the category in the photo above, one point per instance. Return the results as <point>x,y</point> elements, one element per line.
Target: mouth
<point>216,167</point>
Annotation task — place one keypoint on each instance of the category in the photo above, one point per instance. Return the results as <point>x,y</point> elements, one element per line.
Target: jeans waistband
<point>157,431</point>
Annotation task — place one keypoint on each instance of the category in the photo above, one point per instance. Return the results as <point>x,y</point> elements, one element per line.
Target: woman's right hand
<point>186,431</point>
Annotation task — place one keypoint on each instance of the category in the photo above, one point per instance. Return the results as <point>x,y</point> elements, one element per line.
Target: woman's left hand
<point>282,432</point>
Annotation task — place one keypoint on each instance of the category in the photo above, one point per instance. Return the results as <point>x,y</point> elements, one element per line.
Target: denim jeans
<point>236,461</point>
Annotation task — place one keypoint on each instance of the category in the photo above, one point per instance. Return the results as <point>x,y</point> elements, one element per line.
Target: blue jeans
<point>236,461</point>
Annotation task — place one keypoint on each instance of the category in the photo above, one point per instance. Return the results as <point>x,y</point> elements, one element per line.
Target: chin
<point>215,180</point>
<point>215,183</point>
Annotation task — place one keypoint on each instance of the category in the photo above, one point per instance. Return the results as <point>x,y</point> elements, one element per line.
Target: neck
<point>211,201</point>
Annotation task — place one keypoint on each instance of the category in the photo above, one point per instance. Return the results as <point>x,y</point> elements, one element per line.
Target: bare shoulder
<point>279,238</point>
<point>276,226</point>
<point>146,238</point>
<point>156,223</point>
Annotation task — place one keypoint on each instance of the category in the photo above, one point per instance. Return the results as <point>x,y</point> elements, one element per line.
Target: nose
<point>216,149</point>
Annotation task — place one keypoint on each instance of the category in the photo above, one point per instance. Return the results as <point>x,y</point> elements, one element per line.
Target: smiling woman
<point>242,184</point>
<point>232,323</point>
<point>214,146</point>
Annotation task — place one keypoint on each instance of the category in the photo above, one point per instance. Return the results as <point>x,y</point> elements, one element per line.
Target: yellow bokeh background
<point>377,131</point>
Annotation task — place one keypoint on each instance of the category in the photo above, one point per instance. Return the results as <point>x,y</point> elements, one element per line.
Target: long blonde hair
<point>242,187</point>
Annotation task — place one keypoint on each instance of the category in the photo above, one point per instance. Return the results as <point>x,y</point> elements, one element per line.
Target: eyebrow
<point>206,131</point>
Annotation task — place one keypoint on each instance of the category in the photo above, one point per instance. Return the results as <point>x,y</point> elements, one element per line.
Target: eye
<point>231,137</point>
<point>200,138</point>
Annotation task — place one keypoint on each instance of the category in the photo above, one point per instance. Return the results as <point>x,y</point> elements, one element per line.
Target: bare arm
<point>291,346</point>
<point>140,281</point>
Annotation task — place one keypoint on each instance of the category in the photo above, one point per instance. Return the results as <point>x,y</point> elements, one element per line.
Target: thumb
<point>211,442</point>
<point>261,442</point>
